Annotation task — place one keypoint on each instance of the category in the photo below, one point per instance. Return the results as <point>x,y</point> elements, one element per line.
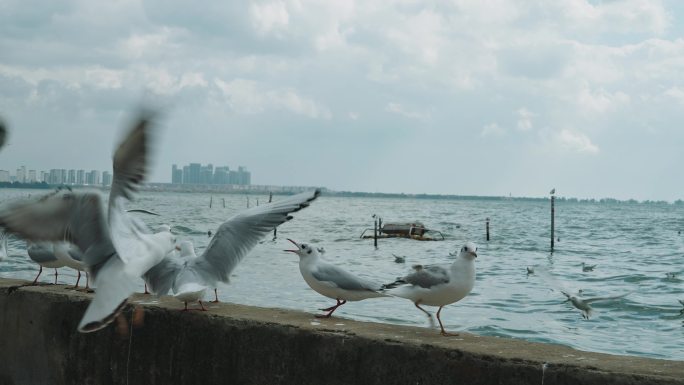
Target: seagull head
<point>468,251</point>
<point>186,249</point>
<point>303,250</point>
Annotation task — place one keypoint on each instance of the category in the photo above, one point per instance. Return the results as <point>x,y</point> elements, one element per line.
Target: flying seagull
<point>117,248</point>
<point>189,277</point>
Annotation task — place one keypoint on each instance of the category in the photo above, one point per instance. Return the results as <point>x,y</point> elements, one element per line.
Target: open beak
<point>294,243</point>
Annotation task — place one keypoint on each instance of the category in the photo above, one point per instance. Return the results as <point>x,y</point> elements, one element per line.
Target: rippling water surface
<point>633,246</point>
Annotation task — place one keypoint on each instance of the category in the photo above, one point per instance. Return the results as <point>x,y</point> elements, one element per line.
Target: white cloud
<point>269,17</point>
<point>600,101</point>
<point>250,97</point>
<point>576,142</point>
<point>525,119</point>
<point>397,108</point>
<point>492,129</point>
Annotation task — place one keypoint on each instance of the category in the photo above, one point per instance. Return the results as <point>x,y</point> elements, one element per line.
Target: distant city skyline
<point>58,176</point>
<point>196,173</point>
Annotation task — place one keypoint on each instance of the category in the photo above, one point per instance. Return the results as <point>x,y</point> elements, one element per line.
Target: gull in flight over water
<point>438,285</point>
<point>330,280</point>
<point>117,248</point>
<point>583,303</point>
<point>189,277</point>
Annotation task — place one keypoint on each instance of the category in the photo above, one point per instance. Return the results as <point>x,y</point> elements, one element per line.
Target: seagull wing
<point>339,278</point>
<point>597,299</point>
<point>237,236</point>
<point>131,162</point>
<point>428,276</point>
<point>162,276</point>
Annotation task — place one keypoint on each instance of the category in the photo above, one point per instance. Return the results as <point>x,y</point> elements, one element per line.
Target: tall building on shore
<point>195,173</point>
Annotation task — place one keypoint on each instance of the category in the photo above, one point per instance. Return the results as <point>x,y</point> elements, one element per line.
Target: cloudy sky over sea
<point>485,97</point>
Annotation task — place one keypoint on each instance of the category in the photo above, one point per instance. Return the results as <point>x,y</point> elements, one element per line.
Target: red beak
<point>294,243</point>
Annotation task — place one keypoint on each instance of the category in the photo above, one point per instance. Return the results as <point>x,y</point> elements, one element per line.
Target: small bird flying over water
<point>438,285</point>
<point>330,280</point>
<point>583,303</point>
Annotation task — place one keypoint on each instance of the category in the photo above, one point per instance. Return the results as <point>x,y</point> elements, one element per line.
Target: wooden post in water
<point>553,220</point>
<point>375,233</point>
<point>487,226</point>
<point>270,196</point>
<point>211,200</point>
<point>224,202</point>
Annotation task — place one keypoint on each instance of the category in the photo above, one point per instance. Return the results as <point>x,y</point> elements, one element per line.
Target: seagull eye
<point>309,252</point>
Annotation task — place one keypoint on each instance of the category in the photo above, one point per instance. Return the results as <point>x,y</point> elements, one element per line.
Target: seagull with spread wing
<point>188,276</point>
<point>117,247</point>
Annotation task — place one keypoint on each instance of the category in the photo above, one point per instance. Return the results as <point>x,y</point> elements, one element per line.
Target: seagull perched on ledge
<point>438,285</point>
<point>330,280</point>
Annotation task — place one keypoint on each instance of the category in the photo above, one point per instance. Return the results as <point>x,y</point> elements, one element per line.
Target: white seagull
<point>117,248</point>
<point>332,281</point>
<point>583,303</point>
<point>586,267</point>
<point>54,255</point>
<point>438,285</point>
<point>189,277</point>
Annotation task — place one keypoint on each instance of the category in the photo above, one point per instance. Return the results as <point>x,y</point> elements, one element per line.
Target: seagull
<point>530,270</point>
<point>233,240</point>
<point>583,303</point>
<point>332,281</point>
<point>54,255</point>
<point>118,248</point>
<point>399,259</point>
<point>586,267</point>
<point>671,275</point>
<point>553,191</point>
<point>438,285</point>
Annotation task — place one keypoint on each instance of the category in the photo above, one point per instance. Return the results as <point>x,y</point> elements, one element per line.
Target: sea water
<point>634,247</point>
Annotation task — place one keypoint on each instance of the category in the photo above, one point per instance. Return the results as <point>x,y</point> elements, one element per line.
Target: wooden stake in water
<point>375,233</point>
<point>224,202</point>
<point>553,219</point>
<point>487,226</point>
<point>211,200</point>
<point>270,196</point>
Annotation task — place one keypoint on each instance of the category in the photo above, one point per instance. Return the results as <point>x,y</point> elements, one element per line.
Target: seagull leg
<point>331,309</point>
<point>186,306</point>
<point>444,333</point>
<point>78,279</point>
<point>201,305</point>
<point>216,300</point>
<point>423,310</point>
<point>39,271</point>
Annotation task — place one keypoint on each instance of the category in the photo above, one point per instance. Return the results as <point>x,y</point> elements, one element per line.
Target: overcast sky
<point>481,97</point>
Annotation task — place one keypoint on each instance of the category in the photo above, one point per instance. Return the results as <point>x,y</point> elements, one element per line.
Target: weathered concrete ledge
<point>234,344</point>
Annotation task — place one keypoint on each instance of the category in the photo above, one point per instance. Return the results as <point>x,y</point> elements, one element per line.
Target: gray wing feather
<point>162,276</point>
<point>237,236</point>
<point>41,253</point>
<point>342,279</point>
<point>428,276</point>
<point>131,158</point>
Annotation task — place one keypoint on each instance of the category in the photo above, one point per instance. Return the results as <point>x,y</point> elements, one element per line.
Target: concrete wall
<point>233,344</point>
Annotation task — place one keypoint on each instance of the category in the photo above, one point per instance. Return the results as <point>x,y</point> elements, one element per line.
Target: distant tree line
<point>38,185</point>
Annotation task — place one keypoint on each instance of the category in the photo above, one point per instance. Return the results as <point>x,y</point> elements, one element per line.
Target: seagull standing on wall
<point>438,285</point>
